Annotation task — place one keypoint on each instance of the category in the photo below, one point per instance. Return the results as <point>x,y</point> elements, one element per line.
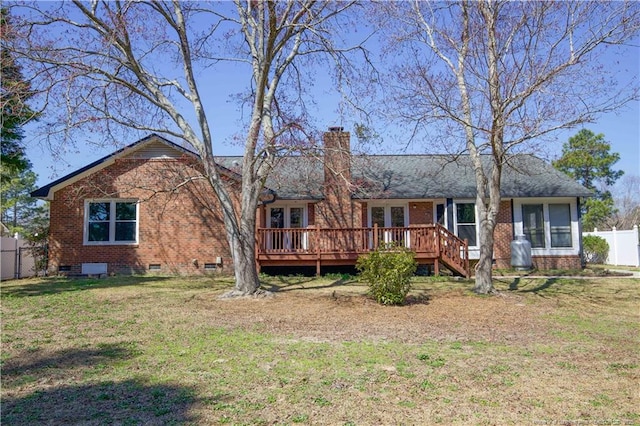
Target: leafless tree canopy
<point>494,76</point>
<point>110,67</point>
<point>535,64</point>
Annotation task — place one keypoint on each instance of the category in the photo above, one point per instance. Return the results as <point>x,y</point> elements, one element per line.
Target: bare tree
<point>501,75</point>
<point>107,66</point>
<point>626,196</point>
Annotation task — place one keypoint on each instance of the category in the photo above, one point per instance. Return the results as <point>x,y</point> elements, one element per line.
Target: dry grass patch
<point>154,350</point>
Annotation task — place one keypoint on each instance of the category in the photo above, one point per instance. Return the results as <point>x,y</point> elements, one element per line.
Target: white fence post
<point>615,245</point>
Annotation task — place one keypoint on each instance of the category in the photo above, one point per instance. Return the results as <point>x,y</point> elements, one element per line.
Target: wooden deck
<point>432,244</point>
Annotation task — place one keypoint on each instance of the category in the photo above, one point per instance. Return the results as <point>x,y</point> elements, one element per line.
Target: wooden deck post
<point>317,250</point>
<point>466,258</point>
<point>436,264</point>
<point>375,236</point>
<point>257,251</point>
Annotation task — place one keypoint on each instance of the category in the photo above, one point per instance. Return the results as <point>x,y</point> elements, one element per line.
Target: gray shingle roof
<point>386,176</point>
<point>420,176</point>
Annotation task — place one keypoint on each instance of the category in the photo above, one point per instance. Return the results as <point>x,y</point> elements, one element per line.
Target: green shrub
<point>388,272</point>
<point>596,249</point>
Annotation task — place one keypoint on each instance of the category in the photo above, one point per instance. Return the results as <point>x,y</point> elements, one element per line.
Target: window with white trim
<point>560,225</point>
<point>533,224</point>
<point>548,226</point>
<point>111,222</point>
<point>466,222</point>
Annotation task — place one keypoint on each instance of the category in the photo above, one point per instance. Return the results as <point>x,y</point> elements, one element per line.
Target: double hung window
<point>560,224</point>
<point>555,229</point>
<point>466,222</point>
<point>533,224</point>
<point>111,222</point>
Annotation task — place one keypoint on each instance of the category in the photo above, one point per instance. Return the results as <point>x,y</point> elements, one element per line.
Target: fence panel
<point>624,246</point>
<point>17,260</point>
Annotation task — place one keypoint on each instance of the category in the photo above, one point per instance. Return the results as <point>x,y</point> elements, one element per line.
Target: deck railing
<point>427,242</point>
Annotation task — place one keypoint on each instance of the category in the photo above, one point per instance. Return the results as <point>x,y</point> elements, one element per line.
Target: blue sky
<point>621,129</point>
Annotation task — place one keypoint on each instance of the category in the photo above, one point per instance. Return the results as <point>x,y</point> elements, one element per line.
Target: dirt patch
<point>348,315</point>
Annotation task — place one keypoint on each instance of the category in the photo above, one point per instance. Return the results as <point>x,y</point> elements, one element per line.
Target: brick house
<point>147,208</point>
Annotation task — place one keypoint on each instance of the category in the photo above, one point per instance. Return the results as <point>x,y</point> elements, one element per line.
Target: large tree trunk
<point>240,228</point>
<point>488,220</point>
<point>245,271</point>
<point>484,279</point>
<point>242,244</point>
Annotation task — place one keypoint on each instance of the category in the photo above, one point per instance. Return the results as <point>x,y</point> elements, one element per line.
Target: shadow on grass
<point>514,285</point>
<point>109,402</point>
<point>131,401</point>
<point>297,284</point>
<point>37,365</point>
<point>56,285</point>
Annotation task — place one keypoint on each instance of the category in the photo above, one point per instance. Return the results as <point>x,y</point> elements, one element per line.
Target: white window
<point>111,222</point>
<point>287,217</point>
<point>466,222</point>
<point>551,225</point>
<point>533,224</point>
<point>560,224</point>
<point>545,224</point>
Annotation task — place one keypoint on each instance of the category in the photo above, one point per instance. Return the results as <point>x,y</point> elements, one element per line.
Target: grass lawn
<point>160,350</point>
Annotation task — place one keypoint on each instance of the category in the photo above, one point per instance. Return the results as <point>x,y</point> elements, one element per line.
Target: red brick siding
<point>556,262</point>
<point>503,236</point>
<point>311,214</point>
<point>175,227</point>
<point>421,213</point>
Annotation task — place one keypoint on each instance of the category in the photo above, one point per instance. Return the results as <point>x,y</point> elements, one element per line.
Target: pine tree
<point>588,159</point>
<point>16,204</point>
<point>14,93</point>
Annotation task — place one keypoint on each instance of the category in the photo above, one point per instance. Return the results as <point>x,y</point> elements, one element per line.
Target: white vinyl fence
<point>624,246</point>
<point>17,259</point>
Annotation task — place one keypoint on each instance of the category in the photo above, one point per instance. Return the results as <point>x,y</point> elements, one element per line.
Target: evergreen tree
<point>16,205</point>
<point>25,215</point>
<point>587,158</point>
<point>14,93</point>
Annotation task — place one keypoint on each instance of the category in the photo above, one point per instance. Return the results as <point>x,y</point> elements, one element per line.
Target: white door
<point>287,217</point>
<point>393,216</point>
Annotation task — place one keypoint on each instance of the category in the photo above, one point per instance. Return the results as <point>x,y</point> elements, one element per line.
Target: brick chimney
<point>337,210</point>
<point>337,156</point>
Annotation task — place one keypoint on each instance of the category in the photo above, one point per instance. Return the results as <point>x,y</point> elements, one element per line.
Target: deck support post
<point>317,251</point>
<point>436,263</point>
<point>375,236</point>
<point>257,252</point>
<point>466,257</point>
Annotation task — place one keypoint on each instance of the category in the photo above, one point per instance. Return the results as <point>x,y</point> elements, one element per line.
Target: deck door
<point>289,219</point>
<point>390,217</point>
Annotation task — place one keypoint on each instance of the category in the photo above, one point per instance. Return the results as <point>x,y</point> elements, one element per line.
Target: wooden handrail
<point>428,240</point>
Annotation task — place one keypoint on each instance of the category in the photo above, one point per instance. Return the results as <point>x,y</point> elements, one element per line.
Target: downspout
<point>513,223</point>
<point>272,200</point>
